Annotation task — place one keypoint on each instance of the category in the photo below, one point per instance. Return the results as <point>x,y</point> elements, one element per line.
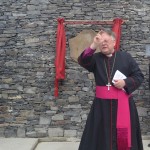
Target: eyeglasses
<point>105,41</point>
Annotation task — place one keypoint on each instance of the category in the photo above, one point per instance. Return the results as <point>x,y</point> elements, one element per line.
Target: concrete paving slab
<point>57,146</point>
<point>18,143</point>
<point>146,143</point>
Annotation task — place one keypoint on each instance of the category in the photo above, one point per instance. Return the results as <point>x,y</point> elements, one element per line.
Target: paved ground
<point>57,146</point>
<point>18,143</point>
<point>69,145</point>
<point>34,144</point>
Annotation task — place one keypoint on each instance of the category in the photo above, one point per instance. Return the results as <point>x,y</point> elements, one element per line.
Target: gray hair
<point>109,32</point>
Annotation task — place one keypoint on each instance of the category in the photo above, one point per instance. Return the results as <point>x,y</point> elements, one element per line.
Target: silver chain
<point>111,69</point>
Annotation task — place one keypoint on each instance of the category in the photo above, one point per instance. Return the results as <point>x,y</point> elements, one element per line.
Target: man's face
<point>107,45</point>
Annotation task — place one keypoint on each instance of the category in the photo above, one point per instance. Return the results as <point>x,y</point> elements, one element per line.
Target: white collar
<point>110,55</point>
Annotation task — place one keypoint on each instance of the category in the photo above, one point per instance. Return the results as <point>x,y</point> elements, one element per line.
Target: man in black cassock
<point>101,131</point>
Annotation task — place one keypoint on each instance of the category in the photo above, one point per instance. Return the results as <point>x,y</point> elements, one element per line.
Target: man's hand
<point>119,84</point>
<point>97,40</point>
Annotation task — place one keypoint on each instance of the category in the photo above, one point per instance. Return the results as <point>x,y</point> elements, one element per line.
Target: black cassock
<point>100,129</point>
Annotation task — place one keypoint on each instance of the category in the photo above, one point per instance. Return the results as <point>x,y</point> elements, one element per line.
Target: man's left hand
<point>119,84</point>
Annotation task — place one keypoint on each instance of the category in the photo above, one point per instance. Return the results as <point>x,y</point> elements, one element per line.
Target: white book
<point>118,75</point>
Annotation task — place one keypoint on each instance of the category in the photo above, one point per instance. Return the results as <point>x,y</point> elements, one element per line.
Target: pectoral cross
<point>108,85</point>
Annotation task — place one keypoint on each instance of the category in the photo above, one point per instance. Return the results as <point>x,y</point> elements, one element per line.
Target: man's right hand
<point>97,40</point>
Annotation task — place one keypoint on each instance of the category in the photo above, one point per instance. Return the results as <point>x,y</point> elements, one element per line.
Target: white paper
<point>118,75</point>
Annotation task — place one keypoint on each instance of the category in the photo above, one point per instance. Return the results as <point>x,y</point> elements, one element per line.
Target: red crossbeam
<point>85,22</point>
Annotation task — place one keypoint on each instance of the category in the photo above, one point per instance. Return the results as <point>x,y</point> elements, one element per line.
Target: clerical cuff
<point>88,52</point>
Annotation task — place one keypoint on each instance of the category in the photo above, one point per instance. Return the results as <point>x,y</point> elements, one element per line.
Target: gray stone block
<point>55,132</point>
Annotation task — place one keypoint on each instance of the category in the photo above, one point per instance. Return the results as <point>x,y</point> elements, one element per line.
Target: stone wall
<point>27,50</point>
